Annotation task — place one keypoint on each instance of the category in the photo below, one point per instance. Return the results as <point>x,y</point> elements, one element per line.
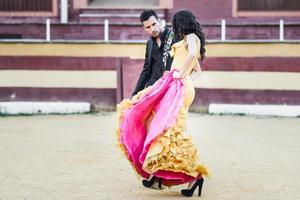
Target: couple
<point>152,124</point>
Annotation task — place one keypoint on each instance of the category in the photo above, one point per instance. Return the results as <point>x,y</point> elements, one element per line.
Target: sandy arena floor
<point>60,157</point>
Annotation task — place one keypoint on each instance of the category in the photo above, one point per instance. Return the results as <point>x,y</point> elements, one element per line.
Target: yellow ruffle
<point>124,105</point>
<point>175,46</point>
<point>121,107</point>
<point>174,151</point>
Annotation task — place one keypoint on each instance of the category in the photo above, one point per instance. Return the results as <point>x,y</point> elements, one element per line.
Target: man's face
<point>152,26</point>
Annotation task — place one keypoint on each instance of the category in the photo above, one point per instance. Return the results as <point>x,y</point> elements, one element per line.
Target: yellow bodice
<point>179,53</point>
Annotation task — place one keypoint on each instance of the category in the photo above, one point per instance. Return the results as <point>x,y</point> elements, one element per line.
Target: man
<point>157,58</point>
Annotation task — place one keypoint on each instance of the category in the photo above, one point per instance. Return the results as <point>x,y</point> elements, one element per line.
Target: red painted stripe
<point>104,97</point>
<point>58,63</point>
<point>267,64</point>
<point>234,96</point>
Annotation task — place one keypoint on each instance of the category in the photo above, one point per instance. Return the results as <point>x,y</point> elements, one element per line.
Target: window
<point>25,5</point>
<point>266,7</point>
<point>15,8</point>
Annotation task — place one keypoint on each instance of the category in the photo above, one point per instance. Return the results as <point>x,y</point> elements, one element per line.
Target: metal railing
<point>223,30</point>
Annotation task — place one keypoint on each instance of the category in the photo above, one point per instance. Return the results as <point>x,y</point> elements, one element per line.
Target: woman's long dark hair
<point>184,22</point>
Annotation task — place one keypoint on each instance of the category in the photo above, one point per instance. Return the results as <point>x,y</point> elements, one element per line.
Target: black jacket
<point>148,74</point>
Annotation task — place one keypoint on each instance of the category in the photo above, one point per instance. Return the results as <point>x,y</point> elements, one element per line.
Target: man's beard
<point>155,34</point>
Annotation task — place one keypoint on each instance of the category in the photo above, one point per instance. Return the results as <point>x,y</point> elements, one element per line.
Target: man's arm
<point>144,76</point>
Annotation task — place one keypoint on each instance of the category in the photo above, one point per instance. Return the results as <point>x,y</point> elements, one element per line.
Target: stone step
<point>125,3</point>
<point>114,15</point>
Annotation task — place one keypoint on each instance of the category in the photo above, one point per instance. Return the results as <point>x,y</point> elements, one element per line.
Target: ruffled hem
<point>122,108</point>
<point>174,151</point>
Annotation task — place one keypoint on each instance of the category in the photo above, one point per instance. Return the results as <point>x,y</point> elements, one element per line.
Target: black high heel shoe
<point>190,192</point>
<point>150,183</point>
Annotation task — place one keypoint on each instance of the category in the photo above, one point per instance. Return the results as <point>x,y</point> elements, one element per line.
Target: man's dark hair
<point>146,14</point>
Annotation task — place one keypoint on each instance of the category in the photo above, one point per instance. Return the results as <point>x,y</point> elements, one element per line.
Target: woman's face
<point>152,26</point>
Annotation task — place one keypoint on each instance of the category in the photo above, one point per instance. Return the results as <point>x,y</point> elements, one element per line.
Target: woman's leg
<point>151,182</point>
<point>193,185</point>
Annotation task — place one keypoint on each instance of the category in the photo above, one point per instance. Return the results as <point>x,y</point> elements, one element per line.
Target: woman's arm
<point>192,53</point>
<point>197,67</point>
<point>196,71</point>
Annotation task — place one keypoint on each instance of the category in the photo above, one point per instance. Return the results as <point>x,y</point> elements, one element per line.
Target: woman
<point>152,124</point>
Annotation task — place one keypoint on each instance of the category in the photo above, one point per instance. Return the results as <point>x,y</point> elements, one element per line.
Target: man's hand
<point>166,72</point>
